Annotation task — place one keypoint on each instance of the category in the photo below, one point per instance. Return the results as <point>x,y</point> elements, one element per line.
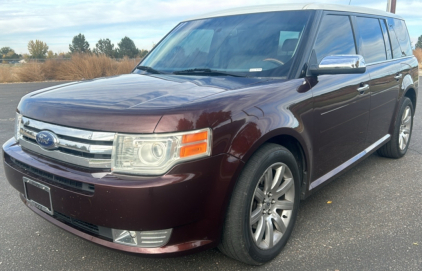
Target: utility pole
<point>391,6</point>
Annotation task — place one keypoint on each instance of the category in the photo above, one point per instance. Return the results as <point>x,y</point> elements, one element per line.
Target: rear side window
<point>373,47</point>
<point>335,37</point>
<point>402,35</point>
<point>386,39</point>
<point>394,43</point>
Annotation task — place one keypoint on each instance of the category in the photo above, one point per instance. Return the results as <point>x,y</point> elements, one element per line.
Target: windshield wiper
<point>148,69</point>
<point>206,71</point>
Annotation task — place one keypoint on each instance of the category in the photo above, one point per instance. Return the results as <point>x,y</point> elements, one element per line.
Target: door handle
<point>363,88</point>
<point>398,76</point>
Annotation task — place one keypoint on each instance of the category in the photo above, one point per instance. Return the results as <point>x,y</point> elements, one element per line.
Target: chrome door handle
<point>398,76</point>
<point>363,88</point>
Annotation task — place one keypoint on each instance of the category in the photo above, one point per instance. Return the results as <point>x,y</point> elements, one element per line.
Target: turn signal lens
<point>195,137</point>
<point>194,149</point>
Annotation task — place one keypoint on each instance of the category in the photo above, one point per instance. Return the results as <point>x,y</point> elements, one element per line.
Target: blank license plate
<point>38,195</point>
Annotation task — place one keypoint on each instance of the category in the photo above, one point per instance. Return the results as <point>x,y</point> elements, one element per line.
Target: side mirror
<point>339,64</point>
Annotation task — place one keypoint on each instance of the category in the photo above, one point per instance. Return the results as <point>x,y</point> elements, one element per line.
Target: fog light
<point>142,238</point>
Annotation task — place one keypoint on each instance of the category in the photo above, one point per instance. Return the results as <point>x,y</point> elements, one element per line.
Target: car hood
<point>126,103</point>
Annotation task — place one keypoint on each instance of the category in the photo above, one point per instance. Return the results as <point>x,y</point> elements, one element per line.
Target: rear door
<point>341,111</point>
<point>375,47</point>
<point>405,57</point>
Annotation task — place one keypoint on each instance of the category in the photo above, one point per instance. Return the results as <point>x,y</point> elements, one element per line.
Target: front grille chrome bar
<point>76,146</point>
<point>79,147</point>
<point>72,132</point>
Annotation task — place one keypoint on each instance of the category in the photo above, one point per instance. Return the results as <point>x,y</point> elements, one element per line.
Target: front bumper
<point>190,199</point>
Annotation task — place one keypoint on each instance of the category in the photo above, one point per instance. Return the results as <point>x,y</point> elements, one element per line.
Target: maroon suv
<point>217,135</point>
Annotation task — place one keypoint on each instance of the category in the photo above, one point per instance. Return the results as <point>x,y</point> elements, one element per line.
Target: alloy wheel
<point>405,128</point>
<point>272,205</point>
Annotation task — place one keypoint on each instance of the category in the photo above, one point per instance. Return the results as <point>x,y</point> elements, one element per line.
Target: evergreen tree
<point>419,43</point>
<point>127,48</point>
<point>79,44</point>
<point>104,46</point>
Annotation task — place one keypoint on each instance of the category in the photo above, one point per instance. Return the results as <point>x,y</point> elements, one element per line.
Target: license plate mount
<point>38,195</point>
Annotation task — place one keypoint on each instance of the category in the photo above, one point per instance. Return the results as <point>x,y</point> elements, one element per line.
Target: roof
<point>285,7</point>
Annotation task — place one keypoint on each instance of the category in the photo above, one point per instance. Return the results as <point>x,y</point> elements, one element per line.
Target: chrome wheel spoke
<point>278,223</point>
<point>401,141</point>
<point>288,182</point>
<point>256,215</point>
<point>268,180</point>
<point>260,230</point>
<point>278,178</point>
<point>259,195</point>
<point>405,139</point>
<point>283,205</point>
<point>405,114</point>
<point>269,232</point>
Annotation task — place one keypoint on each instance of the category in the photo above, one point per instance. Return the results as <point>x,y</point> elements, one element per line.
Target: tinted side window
<point>394,42</point>
<point>335,37</point>
<point>373,47</point>
<point>402,36</point>
<point>386,39</point>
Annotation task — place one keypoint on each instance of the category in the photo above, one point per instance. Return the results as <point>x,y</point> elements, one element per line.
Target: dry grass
<point>7,74</point>
<point>418,54</point>
<point>78,68</point>
<point>92,66</point>
<point>30,72</point>
<point>50,68</point>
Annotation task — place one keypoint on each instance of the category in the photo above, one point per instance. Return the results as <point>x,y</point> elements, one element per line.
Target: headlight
<point>156,154</point>
<point>18,121</point>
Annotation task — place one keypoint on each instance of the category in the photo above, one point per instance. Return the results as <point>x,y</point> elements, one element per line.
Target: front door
<point>341,102</point>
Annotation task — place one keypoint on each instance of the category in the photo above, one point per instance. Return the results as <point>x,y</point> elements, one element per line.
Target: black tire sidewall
<point>278,155</point>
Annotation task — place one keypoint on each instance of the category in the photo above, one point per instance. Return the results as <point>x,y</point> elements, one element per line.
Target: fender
<point>271,134</point>
<point>406,85</point>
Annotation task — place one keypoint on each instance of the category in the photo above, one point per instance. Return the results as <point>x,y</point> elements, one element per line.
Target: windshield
<point>253,45</point>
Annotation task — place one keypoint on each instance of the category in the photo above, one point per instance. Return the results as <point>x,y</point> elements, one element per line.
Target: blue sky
<point>145,21</point>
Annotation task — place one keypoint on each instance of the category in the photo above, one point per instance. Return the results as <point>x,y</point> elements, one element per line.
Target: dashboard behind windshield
<point>253,45</point>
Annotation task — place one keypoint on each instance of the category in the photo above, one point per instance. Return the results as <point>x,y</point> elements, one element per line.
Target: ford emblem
<point>47,140</point>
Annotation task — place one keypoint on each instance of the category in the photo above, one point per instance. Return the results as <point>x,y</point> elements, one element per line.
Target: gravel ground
<point>373,223</point>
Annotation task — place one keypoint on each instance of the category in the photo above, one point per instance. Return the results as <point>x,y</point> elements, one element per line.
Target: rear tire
<point>263,207</point>
<point>399,143</point>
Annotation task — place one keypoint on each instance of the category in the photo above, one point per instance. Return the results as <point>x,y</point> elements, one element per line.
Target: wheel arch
<point>295,143</point>
<point>411,94</point>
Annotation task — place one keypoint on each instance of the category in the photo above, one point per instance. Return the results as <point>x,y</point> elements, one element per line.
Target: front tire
<point>263,207</point>
<point>399,143</point>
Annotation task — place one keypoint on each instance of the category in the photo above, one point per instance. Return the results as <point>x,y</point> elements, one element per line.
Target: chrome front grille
<point>75,146</point>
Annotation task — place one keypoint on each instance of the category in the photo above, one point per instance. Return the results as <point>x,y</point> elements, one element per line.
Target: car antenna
<point>350,2</point>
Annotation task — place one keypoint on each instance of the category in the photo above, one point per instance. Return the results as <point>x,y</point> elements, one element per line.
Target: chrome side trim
<point>67,158</point>
<point>71,132</point>
<point>334,109</point>
<point>388,60</point>
<point>349,162</point>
